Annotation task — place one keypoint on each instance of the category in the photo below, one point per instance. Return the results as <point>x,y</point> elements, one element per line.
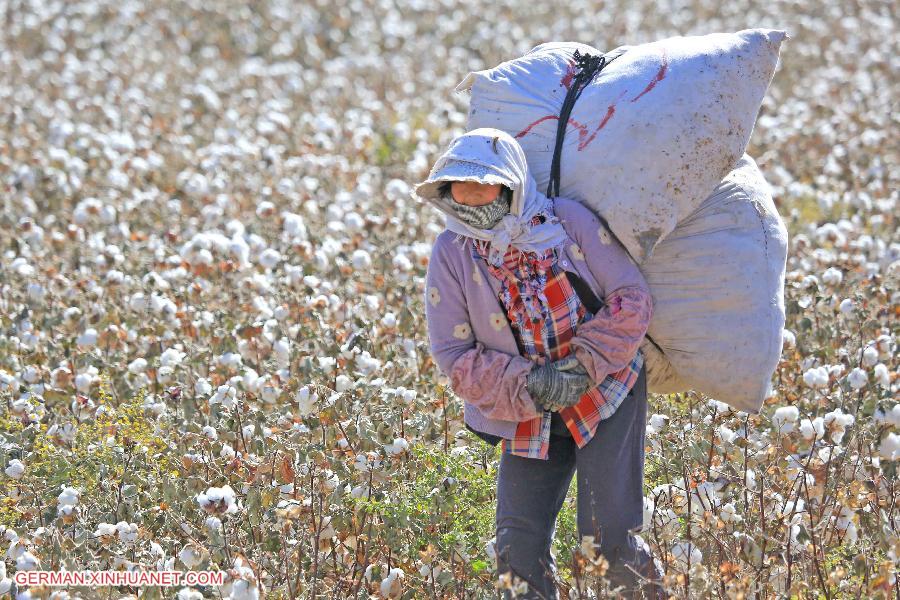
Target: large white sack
<point>718,295</point>
<point>649,138</point>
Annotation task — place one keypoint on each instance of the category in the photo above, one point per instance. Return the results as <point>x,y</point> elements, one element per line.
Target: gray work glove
<point>571,364</point>
<point>557,385</point>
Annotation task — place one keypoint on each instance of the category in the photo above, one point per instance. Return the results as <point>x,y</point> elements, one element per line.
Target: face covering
<point>485,216</point>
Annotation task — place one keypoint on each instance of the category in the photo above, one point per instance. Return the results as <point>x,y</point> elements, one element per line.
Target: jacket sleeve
<point>493,381</point>
<point>609,341</point>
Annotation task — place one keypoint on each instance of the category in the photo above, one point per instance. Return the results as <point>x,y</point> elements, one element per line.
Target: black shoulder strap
<point>585,293</point>
<point>587,66</point>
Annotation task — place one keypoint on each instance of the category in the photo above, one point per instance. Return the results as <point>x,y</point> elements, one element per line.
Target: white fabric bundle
<point>647,142</point>
<point>718,295</point>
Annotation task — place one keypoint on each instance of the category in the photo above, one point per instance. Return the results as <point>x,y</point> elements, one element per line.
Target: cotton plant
<point>785,419</point>
<point>218,501</point>
<point>67,503</point>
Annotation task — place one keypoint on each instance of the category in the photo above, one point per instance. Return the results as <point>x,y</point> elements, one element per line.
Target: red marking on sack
<point>570,74</point>
<point>584,139</point>
<point>539,121</point>
<point>610,111</point>
<point>660,75</point>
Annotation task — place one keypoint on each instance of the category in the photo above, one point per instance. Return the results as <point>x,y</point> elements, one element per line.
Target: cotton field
<point>213,353</point>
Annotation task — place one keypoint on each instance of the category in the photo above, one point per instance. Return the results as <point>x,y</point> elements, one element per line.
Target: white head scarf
<point>492,156</point>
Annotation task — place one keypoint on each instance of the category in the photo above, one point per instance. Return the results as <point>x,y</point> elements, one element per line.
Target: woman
<point>561,388</point>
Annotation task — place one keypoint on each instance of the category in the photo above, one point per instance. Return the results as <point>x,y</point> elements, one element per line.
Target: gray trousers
<point>530,494</point>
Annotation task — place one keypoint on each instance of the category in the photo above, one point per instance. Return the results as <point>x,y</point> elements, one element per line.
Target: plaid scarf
<point>534,284</point>
<point>523,277</point>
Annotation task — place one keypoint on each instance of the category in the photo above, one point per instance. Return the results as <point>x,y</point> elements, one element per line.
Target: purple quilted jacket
<point>473,344</point>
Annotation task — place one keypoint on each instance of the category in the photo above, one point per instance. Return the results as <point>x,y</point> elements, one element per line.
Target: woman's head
<point>481,205</point>
<point>470,193</point>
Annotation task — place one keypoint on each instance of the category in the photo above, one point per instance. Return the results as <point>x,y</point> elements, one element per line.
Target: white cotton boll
<point>397,189</point>
<point>705,497</point>
<point>816,377</point>
<point>836,422</point>
<point>21,267</point>
<point>269,392</point>
<point>657,422</point>
<point>88,338</point>
<point>366,363</point>
<point>172,357</point>
<point>327,363</point>
<point>294,226</point>
<point>282,349</point>
<point>269,258</point>
<point>392,585</point>
<point>402,263</point>
<point>882,375</point>
<point>361,260</point>
<point>354,222</point>
<point>751,479</point>
<point>398,446</point>
<point>816,428</point>
<point>720,407</point>
<point>27,562</point>
<point>239,249</point>
<point>885,346</point>
<point>846,306</point>
<point>128,532</point>
<point>408,396</point>
<point>684,551</point>
<point>850,533</point>
<point>857,378</point>
<point>225,395</point>
<point>213,524</point>
<point>306,401</point>
<point>83,382</point>
<point>789,340</point>
<point>31,374</point>
<point>649,506</point>
<point>230,360</point>
<point>15,469</point>
<point>266,208</point>
<point>218,501</point>
<point>251,380</point>
<point>729,513</point>
<point>342,383</point>
<point>202,387</point>
<point>36,291</point>
<point>210,433</point>
<point>832,277</point>
<point>726,434</point>
<point>835,371</point>
<point>889,448</point>
<point>389,320</point>
<point>114,277</point>
<point>785,418</point>
<point>69,496</point>
<point>870,356</point>
<point>844,517</point>
<point>890,417</point>
<point>191,556</point>
<point>138,302</point>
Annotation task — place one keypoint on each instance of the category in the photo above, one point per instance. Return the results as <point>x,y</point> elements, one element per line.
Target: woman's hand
<point>571,364</point>
<point>557,385</point>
